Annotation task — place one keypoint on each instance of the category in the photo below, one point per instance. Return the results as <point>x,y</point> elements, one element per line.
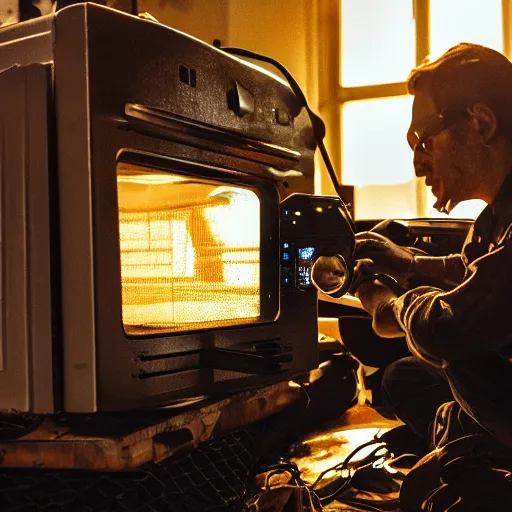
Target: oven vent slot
<point>242,361</point>
<point>256,357</point>
<point>270,347</point>
<point>158,365</point>
<point>142,375</point>
<point>266,347</point>
<point>158,357</point>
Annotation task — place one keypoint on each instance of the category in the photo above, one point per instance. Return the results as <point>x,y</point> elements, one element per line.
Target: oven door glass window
<point>190,252</point>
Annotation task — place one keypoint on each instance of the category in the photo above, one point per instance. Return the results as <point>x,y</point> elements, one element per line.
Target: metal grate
<point>211,477</point>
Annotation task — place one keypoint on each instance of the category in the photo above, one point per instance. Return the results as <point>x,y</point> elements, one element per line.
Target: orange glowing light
<point>332,447</point>
<point>189,251</point>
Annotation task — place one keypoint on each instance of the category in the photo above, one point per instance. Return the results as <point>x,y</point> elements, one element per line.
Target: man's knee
<point>412,387</point>
<point>398,378</point>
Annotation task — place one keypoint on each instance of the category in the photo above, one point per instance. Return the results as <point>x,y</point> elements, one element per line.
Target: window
<point>371,34</point>
<point>189,251</point>
<point>365,60</point>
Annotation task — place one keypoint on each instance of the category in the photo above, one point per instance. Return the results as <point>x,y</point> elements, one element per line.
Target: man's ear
<point>485,120</point>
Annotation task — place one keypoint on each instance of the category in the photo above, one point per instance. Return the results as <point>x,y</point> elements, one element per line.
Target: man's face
<point>445,157</point>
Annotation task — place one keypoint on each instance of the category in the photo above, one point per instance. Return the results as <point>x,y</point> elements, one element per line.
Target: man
<point>460,330</point>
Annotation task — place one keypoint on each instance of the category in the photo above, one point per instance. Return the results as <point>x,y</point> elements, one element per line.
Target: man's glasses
<point>432,126</point>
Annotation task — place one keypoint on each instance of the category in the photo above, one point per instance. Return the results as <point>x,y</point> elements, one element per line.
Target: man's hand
<point>378,300</point>
<point>381,255</point>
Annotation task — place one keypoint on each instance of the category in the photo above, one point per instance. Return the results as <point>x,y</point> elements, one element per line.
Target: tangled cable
<point>319,497</point>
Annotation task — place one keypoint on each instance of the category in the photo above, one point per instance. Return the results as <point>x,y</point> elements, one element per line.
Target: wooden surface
<point>55,445</point>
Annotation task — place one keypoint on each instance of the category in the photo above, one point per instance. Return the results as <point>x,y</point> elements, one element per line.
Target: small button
<point>193,78</point>
<point>240,100</point>
<point>245,100</point>
<point>282,117</point>
<point>183,74</point>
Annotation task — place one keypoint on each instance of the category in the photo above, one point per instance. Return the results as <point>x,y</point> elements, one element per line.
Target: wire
<point>316,122</point>
<point>348,480</point>
<point>305,391</point>
<point>285,467</point>
<point>296,479</point>
<point>403,456</point>
<point>313,495</point>
<point>344,485</point>
<point>344,465</point>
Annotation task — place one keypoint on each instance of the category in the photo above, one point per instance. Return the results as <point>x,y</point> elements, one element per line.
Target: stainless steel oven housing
<point>93,85</point>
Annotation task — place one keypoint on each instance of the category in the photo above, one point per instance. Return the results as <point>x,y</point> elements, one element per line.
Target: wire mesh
<point>217,476</point>
<point>211,477</point>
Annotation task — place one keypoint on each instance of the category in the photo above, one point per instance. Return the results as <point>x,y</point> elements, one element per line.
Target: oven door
<point>193,242</point>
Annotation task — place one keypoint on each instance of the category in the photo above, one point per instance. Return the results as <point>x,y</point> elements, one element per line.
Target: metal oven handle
<point>164,124</point>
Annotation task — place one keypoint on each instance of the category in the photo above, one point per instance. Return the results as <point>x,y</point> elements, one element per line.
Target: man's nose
<point>419,170</point>
<point>421,164</point>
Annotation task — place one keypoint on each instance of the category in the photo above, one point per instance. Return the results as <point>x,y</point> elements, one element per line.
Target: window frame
<point>332,95</point>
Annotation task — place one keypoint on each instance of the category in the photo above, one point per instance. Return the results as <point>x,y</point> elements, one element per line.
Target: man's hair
<point>467,74</point>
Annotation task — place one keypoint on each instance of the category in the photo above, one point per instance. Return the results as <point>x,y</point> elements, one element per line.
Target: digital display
<point>305,260</point>
<point>296,265</point>
<point>288,265</point>
<point>306,253</point>
<point>304,276</point>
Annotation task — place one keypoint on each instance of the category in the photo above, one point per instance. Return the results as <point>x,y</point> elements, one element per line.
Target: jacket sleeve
<point>444,272</point>
<point>474,317</point>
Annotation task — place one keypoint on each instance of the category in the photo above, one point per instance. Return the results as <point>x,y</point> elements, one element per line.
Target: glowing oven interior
<point>190,251</point>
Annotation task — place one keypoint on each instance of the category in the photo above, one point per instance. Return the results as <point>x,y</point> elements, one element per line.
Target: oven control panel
<point>296,263</point>
<point>316,244</point>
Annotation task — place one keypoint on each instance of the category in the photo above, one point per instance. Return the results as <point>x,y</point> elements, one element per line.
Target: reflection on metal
<point>329,274</point>
<point>129,6</point>
<point>332,447</point>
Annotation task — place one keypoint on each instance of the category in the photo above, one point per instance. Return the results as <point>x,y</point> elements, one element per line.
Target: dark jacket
<point>476,316</point>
